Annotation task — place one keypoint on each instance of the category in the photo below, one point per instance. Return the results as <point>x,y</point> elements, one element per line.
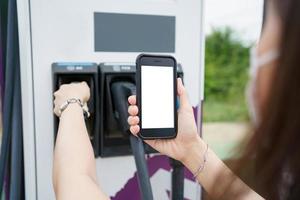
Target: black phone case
<point>138,94</point>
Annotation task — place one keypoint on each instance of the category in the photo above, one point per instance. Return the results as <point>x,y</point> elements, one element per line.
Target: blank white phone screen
<point>157,97</point>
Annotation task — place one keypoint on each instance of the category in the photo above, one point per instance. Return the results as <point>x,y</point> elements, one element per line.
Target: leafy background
<point>226,76</point>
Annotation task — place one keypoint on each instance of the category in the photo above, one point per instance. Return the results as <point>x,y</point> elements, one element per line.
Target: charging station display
<point>157,97</point>
<point>119,32</point>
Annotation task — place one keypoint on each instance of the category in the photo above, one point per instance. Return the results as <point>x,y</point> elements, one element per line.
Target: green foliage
<point>218,111</point>
<point>226,75</point>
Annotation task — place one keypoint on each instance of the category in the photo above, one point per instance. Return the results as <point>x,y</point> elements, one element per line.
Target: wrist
<point>74,97</point>
<point>195,154</point>
<point>71,110</point>
<point>71,101</point>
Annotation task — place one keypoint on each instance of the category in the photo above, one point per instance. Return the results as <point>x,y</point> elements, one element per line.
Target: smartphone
<point>156,86</point>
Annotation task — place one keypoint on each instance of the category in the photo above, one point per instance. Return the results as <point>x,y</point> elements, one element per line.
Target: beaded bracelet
<point>201,167</point>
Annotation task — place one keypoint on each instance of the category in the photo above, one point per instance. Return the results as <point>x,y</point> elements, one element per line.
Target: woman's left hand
<point>68,91</point>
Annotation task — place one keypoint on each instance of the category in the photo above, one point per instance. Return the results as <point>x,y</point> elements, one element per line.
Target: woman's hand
<point>187,139</point>
<point>73,90</point>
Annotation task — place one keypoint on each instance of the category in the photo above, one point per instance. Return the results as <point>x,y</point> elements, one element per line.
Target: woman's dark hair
<point>275,145</point>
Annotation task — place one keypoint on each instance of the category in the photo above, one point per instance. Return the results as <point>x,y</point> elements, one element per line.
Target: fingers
<point>133,110</point>
<point>132,100</point>
<point>184,101</point>
<point>56,111</point>
<point>55,93</point>
<point>135,129</point>
<point>83,83</point>
<point>133,120</point>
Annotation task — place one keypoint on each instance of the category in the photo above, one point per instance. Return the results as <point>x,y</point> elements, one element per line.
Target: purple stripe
<point>131,188</point>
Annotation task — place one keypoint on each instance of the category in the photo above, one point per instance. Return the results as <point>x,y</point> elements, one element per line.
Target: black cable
<point>177,180</point>
<point>138,152</point>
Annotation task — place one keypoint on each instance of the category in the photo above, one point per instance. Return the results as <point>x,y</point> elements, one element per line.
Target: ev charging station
<point>63,41</point>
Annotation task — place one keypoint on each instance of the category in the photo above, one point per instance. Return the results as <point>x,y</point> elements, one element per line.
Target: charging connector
<point>120,92</point>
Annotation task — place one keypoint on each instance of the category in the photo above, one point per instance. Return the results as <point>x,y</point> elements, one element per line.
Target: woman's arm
<point>216,178</point>
<point>74,168</point>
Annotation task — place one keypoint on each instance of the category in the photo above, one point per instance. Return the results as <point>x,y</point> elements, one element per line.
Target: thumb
<point>184,101</point>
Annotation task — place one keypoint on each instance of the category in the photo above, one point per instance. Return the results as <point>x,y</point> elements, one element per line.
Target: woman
<point>274,148</point>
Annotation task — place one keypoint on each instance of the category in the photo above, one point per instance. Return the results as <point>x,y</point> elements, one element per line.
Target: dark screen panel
<point>116,32</point>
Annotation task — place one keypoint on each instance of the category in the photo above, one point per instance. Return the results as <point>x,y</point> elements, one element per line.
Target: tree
<point>226,67</point>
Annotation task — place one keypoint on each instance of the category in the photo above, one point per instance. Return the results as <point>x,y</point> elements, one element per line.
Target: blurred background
<point>232,27</point>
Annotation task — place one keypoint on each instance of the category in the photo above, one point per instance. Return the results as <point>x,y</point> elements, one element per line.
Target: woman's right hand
<point>187,139</point>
